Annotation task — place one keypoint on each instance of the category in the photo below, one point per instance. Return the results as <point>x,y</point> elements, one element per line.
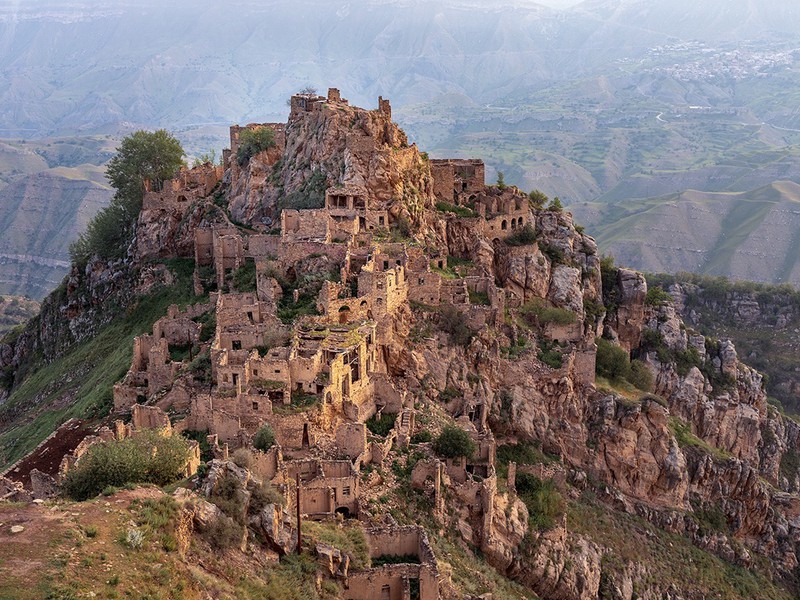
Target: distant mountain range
<point>600,102</point>
<point>71,67</point>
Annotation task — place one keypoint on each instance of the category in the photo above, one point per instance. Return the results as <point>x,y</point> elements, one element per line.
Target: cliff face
<point>42,214</point>
<point>762,321</point>
<point>456,303</point>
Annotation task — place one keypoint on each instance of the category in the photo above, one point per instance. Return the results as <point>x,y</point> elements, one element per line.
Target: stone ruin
<point>317,379</point>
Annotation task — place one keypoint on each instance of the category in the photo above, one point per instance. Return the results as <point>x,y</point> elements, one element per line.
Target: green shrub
<point>656,296</point>
<point>612,361</point>
<point>454,442</point>
<point>208,325</point>
<point>524,236</point>
<point>652,340</point>
<point>479,298</point>
<point>685,360</point>
<point>461,211</point>
<point>421,437</point>
<point>253,141</point>
<point>545,503</point>
<point>640,376</point>
<point>200,368</point>
<point>790,463</point>
<point>146,458</point>
<point>230,498</point>
<point>451,321</point>
<point>553,253</point>
<point>264,438</point>
<point>381,425</point>
<point>261,495</point>
<point>523,453</point>
<point>223,532</point>
<point>310,194</point>
<point>549,355</point>
<point>517,348</point>
<point>544,313</point>
<point>201,437</point>
<point>244,278</point>
<point>611,292</point>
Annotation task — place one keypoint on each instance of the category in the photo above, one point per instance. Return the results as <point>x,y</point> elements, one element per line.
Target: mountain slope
<point>41,215</point>
<point>749,236</point>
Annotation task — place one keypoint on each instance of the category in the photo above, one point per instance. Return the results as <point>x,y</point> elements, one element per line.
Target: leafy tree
<point>142,156</point>
<point>454,442</point>
<point>501,180</point>
<point>264,438</point>
<point>155,156</point>
<point>206,157</point>
<point>538,198</point>
<point>253,141</point>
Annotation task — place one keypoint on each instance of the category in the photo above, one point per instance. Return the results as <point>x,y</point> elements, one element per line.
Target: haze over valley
<point>606,104</point>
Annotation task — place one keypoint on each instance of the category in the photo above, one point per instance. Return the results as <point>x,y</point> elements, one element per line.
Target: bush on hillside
<point>612,361</point>
<point>454,442</point>
<point>542,312</point>
<point>524,236</point>
<point>264,438</point>
<point>641,376</point>
<point>146,458</point>
<point>545,503</point>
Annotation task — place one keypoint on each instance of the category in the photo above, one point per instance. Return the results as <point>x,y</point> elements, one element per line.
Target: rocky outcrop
<point>627,319</point>
<point>336,146</point>
<point>562,566</point>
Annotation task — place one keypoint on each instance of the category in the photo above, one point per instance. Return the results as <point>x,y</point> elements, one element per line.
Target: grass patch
<point>461,211</point>
<point>347,537</point>
<point>479,298</point>
<point>381,425</point>
<point>685,438</point>
<point>301,402</point>
<point>541,312</point>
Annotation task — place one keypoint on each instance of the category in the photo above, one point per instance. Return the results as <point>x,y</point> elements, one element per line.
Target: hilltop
<point>460,397</point>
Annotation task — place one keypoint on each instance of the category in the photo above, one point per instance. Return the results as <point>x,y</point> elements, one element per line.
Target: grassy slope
<point>74,550</point>
<point>666,558</point>
<point>79,384</point>
<point>656,232</point>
